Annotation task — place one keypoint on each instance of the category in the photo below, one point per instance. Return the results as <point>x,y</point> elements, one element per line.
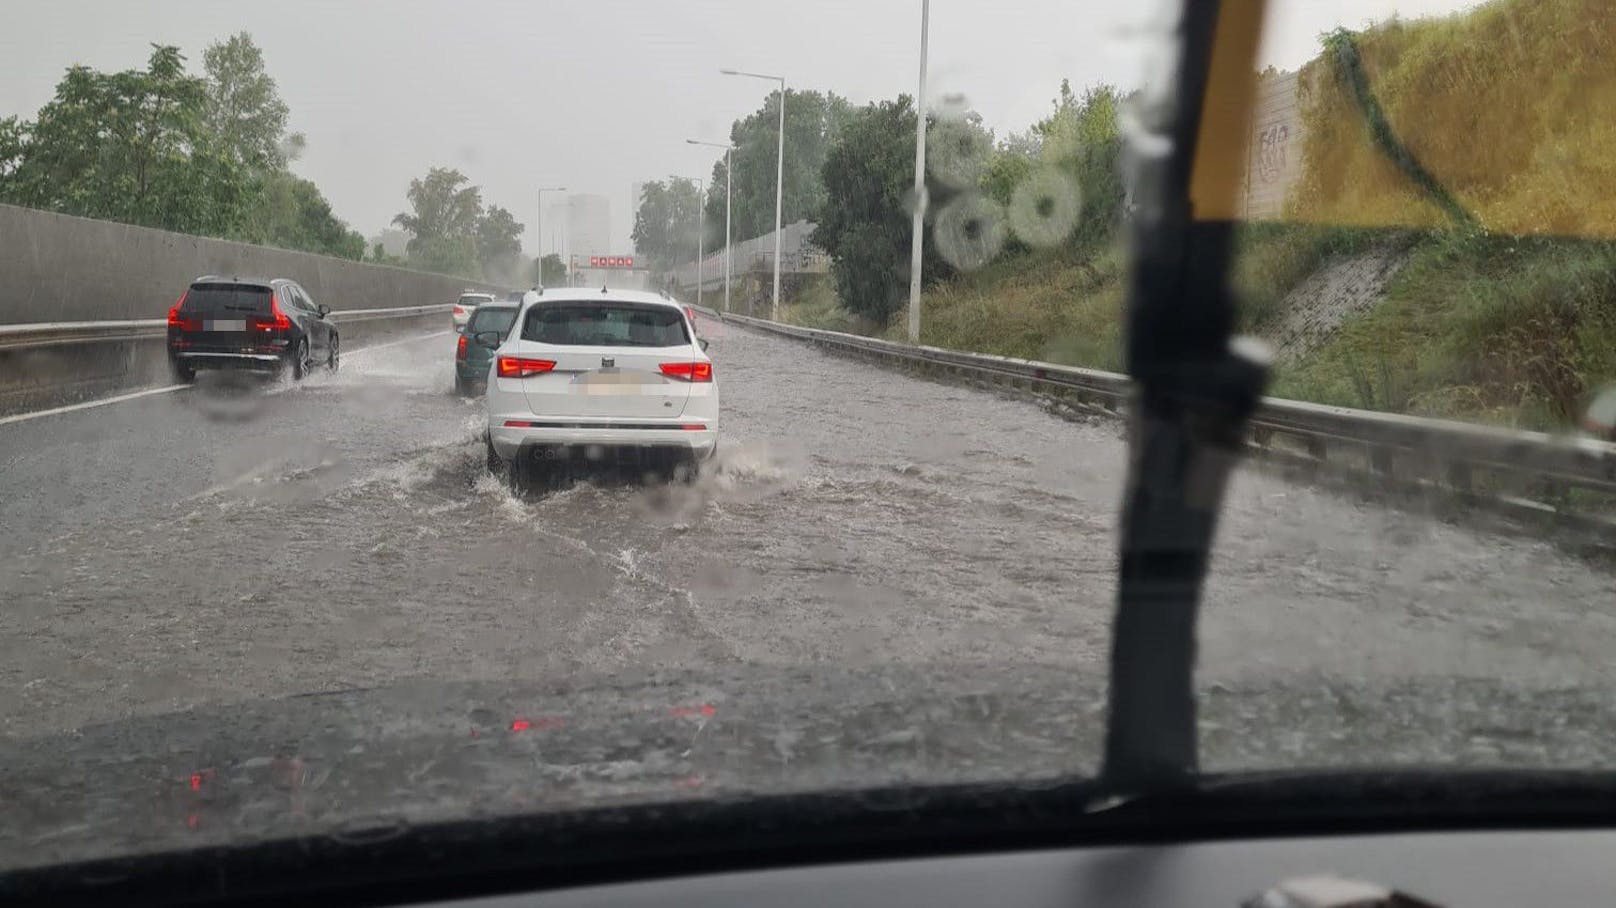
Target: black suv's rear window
<point>226,300</point>
<point>605,324</point>
<point>492,319</point>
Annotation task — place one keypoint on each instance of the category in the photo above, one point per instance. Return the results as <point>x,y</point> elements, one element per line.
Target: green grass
<point>1065,306</point>
<point>1511,106</point>
<point>1271,259</point>
<point>813,304</point>
<point>1501,330</point>
<point>1504,330</point>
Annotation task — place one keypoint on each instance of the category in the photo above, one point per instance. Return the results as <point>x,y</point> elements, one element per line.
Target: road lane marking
<point>53,411</point>
<point>397,343</point>
<point>150,392</point>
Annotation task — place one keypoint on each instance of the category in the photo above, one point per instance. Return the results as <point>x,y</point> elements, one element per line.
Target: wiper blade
<point>1194,391</point>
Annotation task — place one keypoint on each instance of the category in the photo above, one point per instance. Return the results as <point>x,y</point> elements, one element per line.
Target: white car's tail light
<point>521,367</point>
<point>697,371</point>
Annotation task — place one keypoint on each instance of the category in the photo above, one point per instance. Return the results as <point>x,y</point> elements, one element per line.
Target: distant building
<point>589,225</point>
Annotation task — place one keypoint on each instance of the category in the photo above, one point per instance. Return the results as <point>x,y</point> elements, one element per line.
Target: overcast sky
<point>596,94</point>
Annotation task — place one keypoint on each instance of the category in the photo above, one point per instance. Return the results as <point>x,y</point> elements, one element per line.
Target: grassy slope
<point>1513,107</point>
<point>1505,330</point>
<point>1066,306</point>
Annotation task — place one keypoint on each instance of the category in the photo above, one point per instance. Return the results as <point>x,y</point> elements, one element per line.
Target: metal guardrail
<point>1518,471</point>
<point>51,334</point>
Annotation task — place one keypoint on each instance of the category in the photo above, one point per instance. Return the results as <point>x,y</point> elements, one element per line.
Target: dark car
<point>471,359</point>
<point>247,323</point>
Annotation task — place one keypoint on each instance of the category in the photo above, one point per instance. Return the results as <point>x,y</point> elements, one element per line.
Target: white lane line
<point>133,395</point>
<point>397,343</point>
<point>149,392</point>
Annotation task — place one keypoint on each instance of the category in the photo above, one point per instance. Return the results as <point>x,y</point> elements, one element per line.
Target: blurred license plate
<point>225,325</point>
<point>609,383</point>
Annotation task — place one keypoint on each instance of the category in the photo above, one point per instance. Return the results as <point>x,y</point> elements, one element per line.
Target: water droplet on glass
<point>955,152</point>
<point>969,231</point>
<point>1044,209</point>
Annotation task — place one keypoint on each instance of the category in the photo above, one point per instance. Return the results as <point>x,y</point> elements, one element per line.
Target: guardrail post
<point>1263,436</point>
<point>1461,477</point>
<point>1380,460</point>
<point>1317,449</point>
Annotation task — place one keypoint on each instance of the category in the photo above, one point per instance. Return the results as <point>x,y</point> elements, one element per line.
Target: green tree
<point>379,255</point>
<point>813,119</point>
<point>499,244</point>
<point>132,146</point>
<point>668,223</point>
<point>290,213</point>
<point>864,223</point>
<point>245,108</point>
<point>442,222</point>
<point>14,140</point>
<point>549,271</point>
<point>1083,137</point>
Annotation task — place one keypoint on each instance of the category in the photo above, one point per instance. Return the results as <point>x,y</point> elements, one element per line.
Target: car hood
<point>348,763</point>
<point>422,752</point>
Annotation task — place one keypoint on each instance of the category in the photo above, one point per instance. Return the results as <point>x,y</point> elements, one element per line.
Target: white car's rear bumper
<point>510,441</point>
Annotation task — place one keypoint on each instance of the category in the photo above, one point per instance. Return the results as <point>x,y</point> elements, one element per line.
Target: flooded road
<point>202,548</point>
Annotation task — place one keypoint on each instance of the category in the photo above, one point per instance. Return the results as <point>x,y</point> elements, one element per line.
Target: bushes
<point>1514,331</point>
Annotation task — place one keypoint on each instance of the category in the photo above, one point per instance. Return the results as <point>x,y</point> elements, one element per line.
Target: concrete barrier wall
<point>1273,147</point>
<point>59,268</point>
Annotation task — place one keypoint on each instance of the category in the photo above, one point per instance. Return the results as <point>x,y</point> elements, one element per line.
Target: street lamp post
<point>701,231</point>
<point>779,177</point>
<point>728,183</point>
<point>540,223</point>
<point>916,242</point>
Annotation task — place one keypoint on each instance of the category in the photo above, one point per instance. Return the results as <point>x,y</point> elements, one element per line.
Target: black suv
<point>237,323</point>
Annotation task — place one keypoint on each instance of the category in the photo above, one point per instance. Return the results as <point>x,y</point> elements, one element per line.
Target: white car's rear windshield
<point>472,299</point>
<point>605,324</point>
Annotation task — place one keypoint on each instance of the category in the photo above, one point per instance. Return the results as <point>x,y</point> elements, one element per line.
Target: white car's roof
<point>588,295</point>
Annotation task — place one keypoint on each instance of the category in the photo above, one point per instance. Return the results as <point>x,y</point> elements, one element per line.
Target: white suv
<point>612,377</point>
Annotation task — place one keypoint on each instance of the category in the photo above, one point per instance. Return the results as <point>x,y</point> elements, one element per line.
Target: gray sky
<point>595,94</point>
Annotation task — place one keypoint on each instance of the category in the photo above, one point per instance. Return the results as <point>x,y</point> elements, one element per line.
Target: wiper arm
<point>1194,392</point>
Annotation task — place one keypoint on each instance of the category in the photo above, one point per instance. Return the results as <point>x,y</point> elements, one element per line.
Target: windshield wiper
<point>1194,393</point>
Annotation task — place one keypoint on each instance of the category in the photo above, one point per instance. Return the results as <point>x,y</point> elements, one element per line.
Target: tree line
<point>210,155</point>
<point>850,170</point>
<point>160,147</point>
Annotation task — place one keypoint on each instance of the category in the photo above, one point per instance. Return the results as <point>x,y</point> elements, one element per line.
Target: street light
<point>728,182</point>
<point>779,176</point>
<point>540,222</point>
<point>701,231</point>
<point>916,241</point>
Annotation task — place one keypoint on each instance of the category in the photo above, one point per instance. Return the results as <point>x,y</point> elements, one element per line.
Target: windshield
<point>498,318</point>
<point>605,324</point>
<point>854,488</point>
<point>218,299</point>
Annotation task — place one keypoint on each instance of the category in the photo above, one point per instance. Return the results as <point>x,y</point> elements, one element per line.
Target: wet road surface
<point>198,549</point>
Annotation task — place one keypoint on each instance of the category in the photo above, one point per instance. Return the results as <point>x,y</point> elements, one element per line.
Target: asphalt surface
<point>192,550</point>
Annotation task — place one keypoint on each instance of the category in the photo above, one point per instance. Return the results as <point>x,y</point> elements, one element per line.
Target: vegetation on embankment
<point>1478,144</point>
<point>1503,330</point>
<point>1516,331</point>
<point>1509,109</point>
